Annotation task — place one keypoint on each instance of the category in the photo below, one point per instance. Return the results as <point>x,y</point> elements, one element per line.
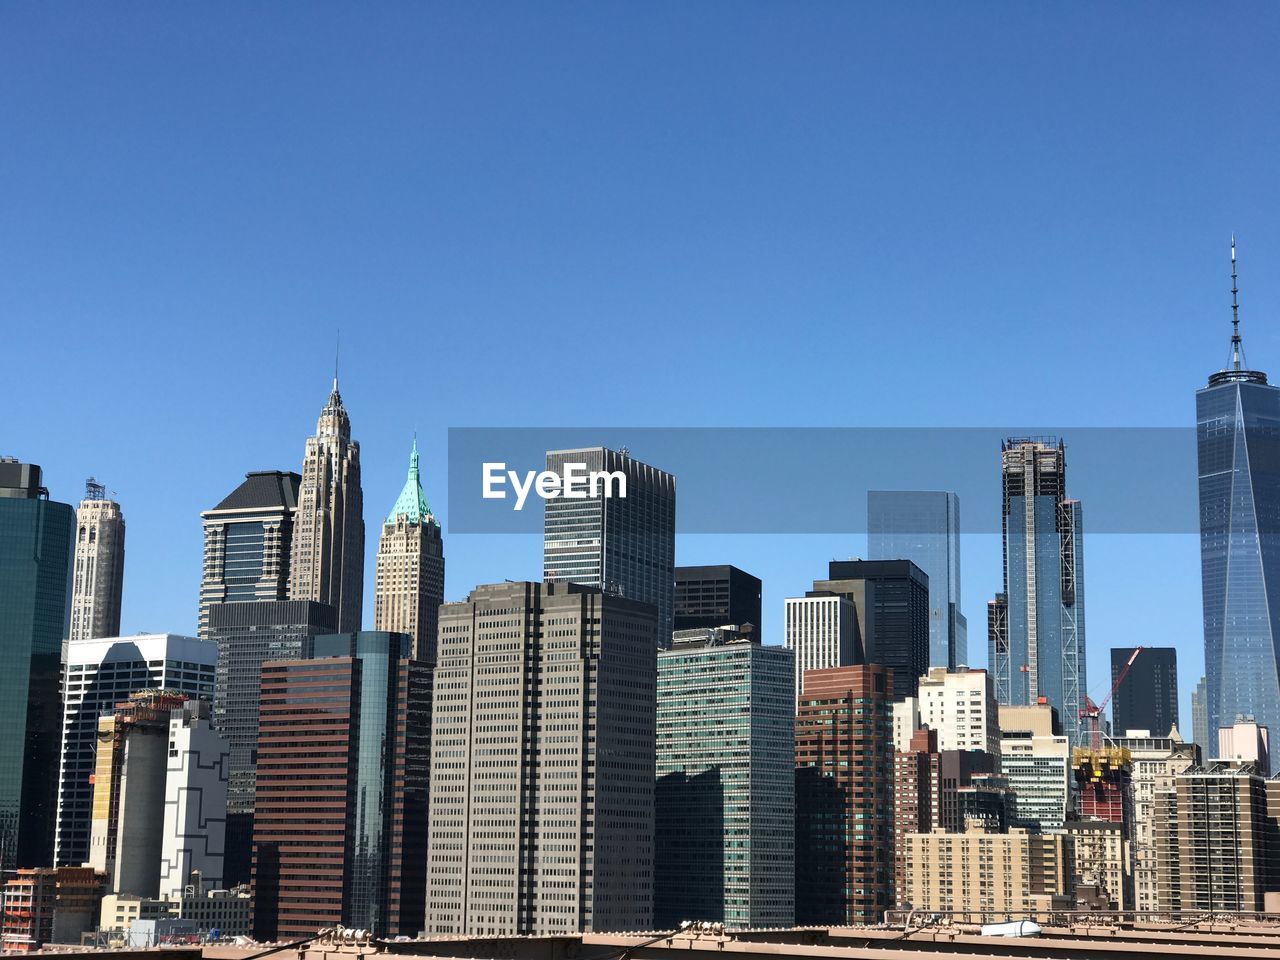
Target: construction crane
<point>1091,712</point>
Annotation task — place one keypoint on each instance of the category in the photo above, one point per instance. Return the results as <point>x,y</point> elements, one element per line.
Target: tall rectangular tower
<point>822,630</point>
<point>844,796</point>
<point>542,755</point>
<point>923,526</point>
<point>98,574</point>
<point>248,537</point>
<point>99,674</point>
<point>35,579</point>
<point>327,556</point>
<point>1037,645</point>
<point>892,601</point>
<point>1238,444</point>
<point>1147,699</point>
<point>726,782</point>
<point>409,582</point>
<point>340,821</point>
<point>247,635</point>
<point>621,545</point>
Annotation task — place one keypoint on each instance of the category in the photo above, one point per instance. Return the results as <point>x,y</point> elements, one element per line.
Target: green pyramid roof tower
<point>412,502</point>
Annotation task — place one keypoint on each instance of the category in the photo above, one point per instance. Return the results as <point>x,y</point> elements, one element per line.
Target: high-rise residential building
<point>619,544</point>
<point>1215,839</point>
<point>961,706</point>
<point>247,635</point>
<point>340,818</point>
<point>1098,865</point>
<point>98,675</point>
<point>725,796</point>
<point>127,826</point>
<point>716,596</point>
<point>35,578</point>
<point>1245,741</point>
<point>1200,717</point>
<point>542,756</point>
<point>923,526</point>
<point>822,630</point>
<point>1036,759</point>
<point>1155,762</point>
<point>409,581</point>
<point>891,598</point>
<point>248,537</point>
<point>983,876</point>
<point>1036,625</point>
<point>98,573</point>
<point>1147,698</point>
<point>844,796</point>
<point>326,562</point>
<point>1239,471</point>
<point>195,802</point>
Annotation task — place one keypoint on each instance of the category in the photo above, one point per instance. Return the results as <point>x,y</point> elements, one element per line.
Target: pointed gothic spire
<point>412,502</point>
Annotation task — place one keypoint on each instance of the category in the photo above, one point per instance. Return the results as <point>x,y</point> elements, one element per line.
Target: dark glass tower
<point>1238,447</point>
<point>716,596</point>
<point>248,634</point>
<point>923,526</point>
<point>1036,632</point>
<point>621,545</point>
<point>1148,697</point>
<point>892,602</point>
<point>36,540</point>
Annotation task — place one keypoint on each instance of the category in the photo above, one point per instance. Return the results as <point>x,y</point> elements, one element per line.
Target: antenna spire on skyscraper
<point>337,346</point>
<point>1237,349</point>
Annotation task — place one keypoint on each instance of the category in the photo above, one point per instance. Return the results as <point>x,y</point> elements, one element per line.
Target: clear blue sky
<point>625,214</point>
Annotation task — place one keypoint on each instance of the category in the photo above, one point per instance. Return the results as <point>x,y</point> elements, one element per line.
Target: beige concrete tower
<point>98,574</point>
<point>409,581</point>
<point>327,563</point>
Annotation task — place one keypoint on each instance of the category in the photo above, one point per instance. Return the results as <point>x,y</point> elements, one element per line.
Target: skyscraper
<point>99,674</point>
<point>923,526</point>
<point>822,629</point>
<point>1238,443</point>
<point>1200,718</point>
<point>247,635</point>
<point>1036,626</point>
<point>892,601</point>
<point>247,542</point>
<point>341,811</point>
<point>1036,759</point>
<point>1148,697</point>
<point>542,754</point>
<point>844,797</point>
<point>725,796</point>
<point>716,596</point>
<point>409,582</point>
<point>327,561</point>
<point>98,574</point>
<point>195,801</point>
<point>35,580</point>
<point>623,545</point>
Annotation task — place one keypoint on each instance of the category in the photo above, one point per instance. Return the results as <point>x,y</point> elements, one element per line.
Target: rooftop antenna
<point>337,345</point>
<point>1237,350</point>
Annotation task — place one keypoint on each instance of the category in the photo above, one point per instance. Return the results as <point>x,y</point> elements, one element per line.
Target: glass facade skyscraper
<point>725,796</point>
<point>36,543</point>
<point>1036,629</point>
<point>1238,453</point>
<point>621,545</point>
<point>923,526</point>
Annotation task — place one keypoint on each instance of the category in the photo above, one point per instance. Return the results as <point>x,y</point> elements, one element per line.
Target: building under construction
<point>48,905</point>
<point>1104,785</point>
